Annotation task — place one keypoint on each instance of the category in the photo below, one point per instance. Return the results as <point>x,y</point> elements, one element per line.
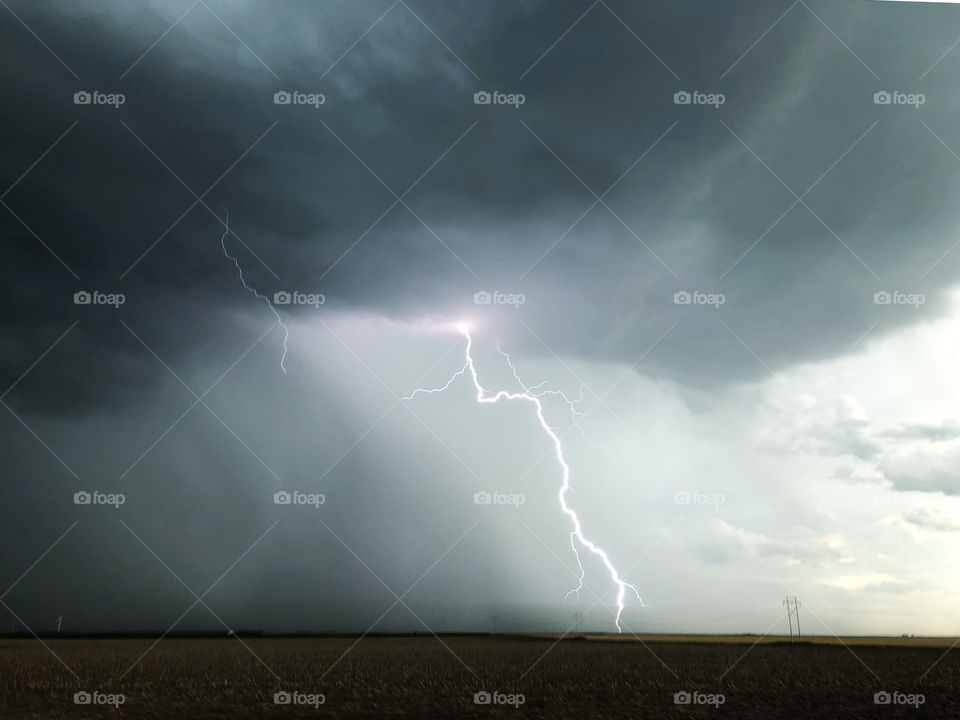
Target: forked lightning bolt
<point>286,331</point>
<point>532,395</point>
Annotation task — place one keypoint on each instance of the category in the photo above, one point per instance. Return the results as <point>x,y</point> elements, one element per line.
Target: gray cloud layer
<point>599,199</point>
<point>680,219</point>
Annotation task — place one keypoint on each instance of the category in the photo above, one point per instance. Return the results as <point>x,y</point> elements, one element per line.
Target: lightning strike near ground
<point>532,395</point>
<point>286,331</point>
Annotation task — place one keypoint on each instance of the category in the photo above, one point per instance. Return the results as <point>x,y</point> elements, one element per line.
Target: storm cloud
<point>693,203</point>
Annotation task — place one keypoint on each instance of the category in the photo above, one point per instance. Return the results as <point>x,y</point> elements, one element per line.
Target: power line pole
<point>793,611</point>
<point>789,616</point>
<point>796,611</point>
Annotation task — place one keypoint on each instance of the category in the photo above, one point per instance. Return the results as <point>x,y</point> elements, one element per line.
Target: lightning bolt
<point>532,395</point>
<point>575,414</point>
<point>286,330</point>
<point>572,404</point>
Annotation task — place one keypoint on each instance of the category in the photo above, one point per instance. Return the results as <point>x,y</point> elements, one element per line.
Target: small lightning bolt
<point>286,331</point>
<point>572,404</point>
<point>532,395</point>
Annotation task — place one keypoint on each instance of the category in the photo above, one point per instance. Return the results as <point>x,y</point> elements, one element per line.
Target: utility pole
<point>578,623</point>
<point>793,611</point>
<point>789,616</point>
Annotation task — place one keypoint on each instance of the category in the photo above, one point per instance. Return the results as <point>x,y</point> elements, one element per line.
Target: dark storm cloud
<point>499,209</point>
<point>599,199</point>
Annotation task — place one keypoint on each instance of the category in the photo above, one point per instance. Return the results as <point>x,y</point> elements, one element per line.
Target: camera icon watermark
<point>896,297</point>
<point>483,297</point>
<point>296,497</point>
<point>82,497</point>
<point>295,297</point>
<point>295,97</point>
<point>896,697</point>
<point>95,297</point>
<point>95,97</point>
<point>699,298</point>
<point>515,500</point>
<point>883,97</point>
<point>693,697</point>
<point>295,697</point>
<point>485,697</point>
<point>499,98</point>
<point>695,97</point>
<point>99,698</point>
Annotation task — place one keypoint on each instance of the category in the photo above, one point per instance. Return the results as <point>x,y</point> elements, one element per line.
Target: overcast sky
<point>802,400</point>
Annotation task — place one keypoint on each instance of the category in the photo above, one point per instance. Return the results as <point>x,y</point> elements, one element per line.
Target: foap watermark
<point>485,697</point>
<point>499,298</point>
<point>694,697</point>
<point>896,297</point>
<point>896,697</point>
<point>295,97</point>
<point>82,497</point>
<point>896,97</point>
<point>95,97</point>
<point>95,297</point>
<point>699,498</point>
<point>295,297</point>
<point>684,97</point>
<point>99,698</point>
<point>295,697</point>
<point>295,497</point>
<point>483,497</point>
<point>499,98</point>
<point>699,298</point>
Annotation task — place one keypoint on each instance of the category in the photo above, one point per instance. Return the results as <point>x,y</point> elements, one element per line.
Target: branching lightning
<point>532,394</point>
<point>572,404</point>
<point>286,331</point>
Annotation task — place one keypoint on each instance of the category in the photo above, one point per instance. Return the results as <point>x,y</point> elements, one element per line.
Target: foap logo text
<point>694,697</point>
<point>295,497</point>
<point>295,697</point>
<point>895,97</point>
<point>99,698</point>
<point>483,297</point>
<point>883,297</point>
<point>295,297</point>
<point>95,97</point>
<point>895,697</point>
<point>485,697</point>
<point>699,498</point>
<point>95,497</point>
<point>295,97</point>
<point>499,98</point>
<point>515,500</point>
<point>95,297</point>
<point>696,297</point>
<point>696,97</point>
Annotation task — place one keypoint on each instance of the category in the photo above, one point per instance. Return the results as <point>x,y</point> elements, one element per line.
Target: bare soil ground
<point>426,677</point>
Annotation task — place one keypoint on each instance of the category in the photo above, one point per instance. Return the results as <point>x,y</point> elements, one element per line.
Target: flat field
<point>426,677</point>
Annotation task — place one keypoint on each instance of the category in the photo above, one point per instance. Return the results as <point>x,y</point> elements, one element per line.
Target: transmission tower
<point>793,611</point>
